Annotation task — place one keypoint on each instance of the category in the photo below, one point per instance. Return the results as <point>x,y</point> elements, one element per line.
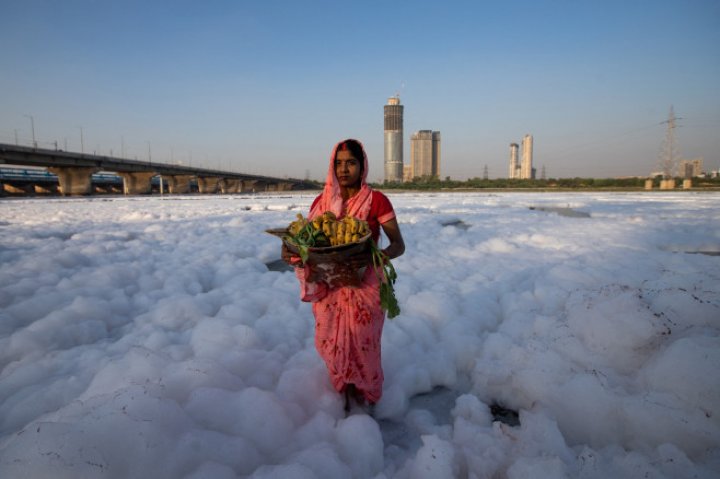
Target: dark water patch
<point>568,212</point>
<point>278,265</point>
<point>460,224</point>
<point>405,434</point>
<point>705,250</point>
<point>440,401</point>
<point>504,415</point>
<point>53,234</point>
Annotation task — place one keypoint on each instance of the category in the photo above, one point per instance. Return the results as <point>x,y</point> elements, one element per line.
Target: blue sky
<point>268,87</point>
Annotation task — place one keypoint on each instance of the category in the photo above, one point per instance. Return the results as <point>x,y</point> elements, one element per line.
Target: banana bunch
<point>297,225</point>
<point>327,230</point>
<point>346,230</point>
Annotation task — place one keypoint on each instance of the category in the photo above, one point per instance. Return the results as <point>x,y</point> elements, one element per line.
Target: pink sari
<point>348,320</point>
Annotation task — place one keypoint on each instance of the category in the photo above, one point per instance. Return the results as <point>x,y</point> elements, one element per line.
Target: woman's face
<point>347,169</point>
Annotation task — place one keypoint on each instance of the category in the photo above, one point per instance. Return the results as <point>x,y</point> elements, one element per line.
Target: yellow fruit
<point>333,230</point>
<point>297,225</point>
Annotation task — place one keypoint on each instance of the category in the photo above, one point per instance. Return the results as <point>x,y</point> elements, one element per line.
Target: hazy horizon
<point>268,88</point>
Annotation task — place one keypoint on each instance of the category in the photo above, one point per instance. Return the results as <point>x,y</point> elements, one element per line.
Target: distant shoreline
<point>547,190</point>
<point>393,191</point>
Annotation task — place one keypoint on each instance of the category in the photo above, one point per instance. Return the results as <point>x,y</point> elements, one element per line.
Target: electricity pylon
<point>669,155</point>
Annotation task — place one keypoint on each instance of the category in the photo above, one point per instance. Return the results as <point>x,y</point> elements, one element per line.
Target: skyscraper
<point>514,171</point>
<point>690,168</point>
<point>526,168</point>
<point>523,170</point>
<point>425,154</point>
<point>394,140</point>
<point>436,154</point>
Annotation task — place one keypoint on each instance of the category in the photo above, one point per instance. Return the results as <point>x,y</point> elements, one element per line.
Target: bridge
<point>74,173</point>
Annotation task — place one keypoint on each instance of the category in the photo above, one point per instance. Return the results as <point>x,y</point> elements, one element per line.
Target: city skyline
<point>269,88</point>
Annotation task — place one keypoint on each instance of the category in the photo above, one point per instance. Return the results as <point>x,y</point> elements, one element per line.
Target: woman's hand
<point>288,256</point>
<point>397,244</point>
<point>294,260</point>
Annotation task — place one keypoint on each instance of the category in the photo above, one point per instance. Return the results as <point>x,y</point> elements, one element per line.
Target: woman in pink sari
<point>349,319</point>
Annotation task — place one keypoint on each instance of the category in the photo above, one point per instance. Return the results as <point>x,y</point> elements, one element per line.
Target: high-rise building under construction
<point>425,154</point>
<point>394,140</point>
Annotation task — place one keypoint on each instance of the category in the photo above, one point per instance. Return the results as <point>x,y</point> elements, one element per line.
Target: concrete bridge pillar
<point>284,186</point>
<point>74,180</point>
<point>208,184</point>
<point>230,185</point>
<point>178,183</point>
<point>137,183</point>
<point>257,185</point>
<point>250,186</point>
<point>667,184</point>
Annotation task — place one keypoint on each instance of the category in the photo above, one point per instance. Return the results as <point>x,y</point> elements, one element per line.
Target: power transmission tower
<point>669,155</point>
<point>485,173</point>
<point>542,172</point>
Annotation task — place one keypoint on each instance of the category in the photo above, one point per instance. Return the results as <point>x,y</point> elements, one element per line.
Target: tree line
<point>433,183</point>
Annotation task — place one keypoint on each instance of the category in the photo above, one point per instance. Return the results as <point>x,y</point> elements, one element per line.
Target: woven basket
<point>329,263</point>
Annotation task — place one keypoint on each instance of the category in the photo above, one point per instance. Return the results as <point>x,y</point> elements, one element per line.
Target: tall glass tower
<point>394,140</point>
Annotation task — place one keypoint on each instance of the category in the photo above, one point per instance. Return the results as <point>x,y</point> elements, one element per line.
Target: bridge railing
<point>32,174</point>
<point>25,174</point>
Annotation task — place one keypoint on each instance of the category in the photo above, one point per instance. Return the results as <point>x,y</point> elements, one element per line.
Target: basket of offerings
<point>325,244</point>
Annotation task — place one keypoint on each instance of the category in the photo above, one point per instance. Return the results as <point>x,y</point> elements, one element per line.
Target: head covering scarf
<point>331,200</point>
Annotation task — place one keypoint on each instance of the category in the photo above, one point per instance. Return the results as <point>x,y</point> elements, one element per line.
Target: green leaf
<point>304,254</point>
<point>386,276</point>
<point>388,301</point>
<point>303,239</point>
